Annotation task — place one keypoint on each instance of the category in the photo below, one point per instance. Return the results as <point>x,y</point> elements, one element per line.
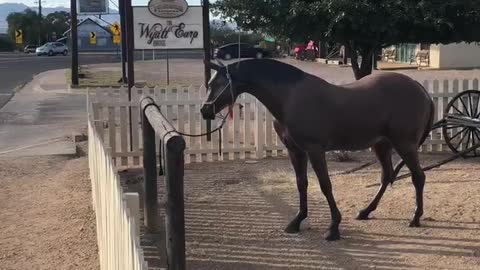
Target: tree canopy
<point>363,26</point>
<point>222,35</point>
<point>36,29</point>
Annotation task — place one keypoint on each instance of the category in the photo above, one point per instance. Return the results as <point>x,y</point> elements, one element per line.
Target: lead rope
<point>219,128</point>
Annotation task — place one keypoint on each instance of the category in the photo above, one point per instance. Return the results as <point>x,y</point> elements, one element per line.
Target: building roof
<point>90,20</point>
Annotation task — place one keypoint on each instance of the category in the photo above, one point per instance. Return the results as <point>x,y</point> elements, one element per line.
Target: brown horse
<point>385,111</point>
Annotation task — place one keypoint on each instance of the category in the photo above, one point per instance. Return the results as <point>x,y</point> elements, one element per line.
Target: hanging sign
<point>87,7</point>
<point>156,27</point>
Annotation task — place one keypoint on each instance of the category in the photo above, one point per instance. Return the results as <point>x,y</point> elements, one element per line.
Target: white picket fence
<point>117,213</point>
<point>249,134</point>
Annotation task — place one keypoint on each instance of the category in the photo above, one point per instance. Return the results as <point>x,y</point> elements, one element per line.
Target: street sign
<point>116,39</point>
<point>92,7</point>
<point>115,28</point>
<point>153,32</point>
<point>93,38</point>
<point>18,36</point>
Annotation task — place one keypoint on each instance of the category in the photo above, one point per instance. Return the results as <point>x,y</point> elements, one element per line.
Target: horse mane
<point>267,69</point>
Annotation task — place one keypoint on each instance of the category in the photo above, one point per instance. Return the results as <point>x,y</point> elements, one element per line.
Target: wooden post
<point>174,217</point>
<point>150,205</point>
<point>207,52</point>
<point>174,145</point>
<point>259,130</point>
<point>74,41</point>
<point>128,9</point>
<point>123,35</point>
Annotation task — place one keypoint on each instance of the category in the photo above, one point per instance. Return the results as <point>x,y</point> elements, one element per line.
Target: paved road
<point>16,69</point>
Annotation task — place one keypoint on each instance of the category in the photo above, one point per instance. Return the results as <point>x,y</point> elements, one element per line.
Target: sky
<point>66,3</point>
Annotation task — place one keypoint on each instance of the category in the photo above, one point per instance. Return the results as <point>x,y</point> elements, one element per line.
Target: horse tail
<point>426,132</point>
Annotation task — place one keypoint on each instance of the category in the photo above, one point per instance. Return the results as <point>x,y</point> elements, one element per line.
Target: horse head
<point>221,91</point>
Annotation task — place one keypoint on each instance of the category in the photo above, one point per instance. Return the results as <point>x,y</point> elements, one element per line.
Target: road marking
<point>30,146</point>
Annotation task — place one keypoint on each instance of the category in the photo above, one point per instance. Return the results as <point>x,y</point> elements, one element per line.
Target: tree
<point>28,21</point>
<point>36,29</point>
<point>222,35</point>
<point>362,26</point>
<point>55,24</point>
<point>6,44</point>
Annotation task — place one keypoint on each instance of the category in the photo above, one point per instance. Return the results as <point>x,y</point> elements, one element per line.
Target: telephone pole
<point>39,22</point>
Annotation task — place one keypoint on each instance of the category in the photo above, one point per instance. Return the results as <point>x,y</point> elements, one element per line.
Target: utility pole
<point>74,39</point>
<point>39,22</point>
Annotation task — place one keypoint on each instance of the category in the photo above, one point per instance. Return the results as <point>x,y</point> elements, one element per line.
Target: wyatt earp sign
<point>168,24</point>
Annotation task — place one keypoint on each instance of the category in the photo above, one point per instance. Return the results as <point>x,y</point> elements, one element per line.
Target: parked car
<point>229,51</point>
<point>30,49</point>
<point>52,48</point>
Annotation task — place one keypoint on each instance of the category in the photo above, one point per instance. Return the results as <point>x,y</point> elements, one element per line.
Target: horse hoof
<point>332,235</point>
<point>292,229</point>
<point>362,215</point>
<point>414,224</point>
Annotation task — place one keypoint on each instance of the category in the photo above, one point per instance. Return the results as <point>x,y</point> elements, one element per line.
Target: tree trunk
<point>366,66</point>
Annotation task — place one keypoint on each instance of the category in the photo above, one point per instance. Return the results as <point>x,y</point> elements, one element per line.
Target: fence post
<point>133,204</point>
<point>174,212</point>
<point>259,130</point>
<point>151,216</point>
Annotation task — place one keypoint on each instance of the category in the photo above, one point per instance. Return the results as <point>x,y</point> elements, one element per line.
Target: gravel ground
<point>46,215</point>
<point>236,213</point>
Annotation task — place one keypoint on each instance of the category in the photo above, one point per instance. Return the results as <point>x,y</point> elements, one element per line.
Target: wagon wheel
<point>461,128</point>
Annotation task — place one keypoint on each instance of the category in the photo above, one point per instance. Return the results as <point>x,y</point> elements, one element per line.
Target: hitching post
<point>150,205</point>
<point>174,145</point>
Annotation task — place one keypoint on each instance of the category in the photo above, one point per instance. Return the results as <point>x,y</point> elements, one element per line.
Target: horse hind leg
<point>299,160</point>
<point>383,151</point>
<point>409,155</point>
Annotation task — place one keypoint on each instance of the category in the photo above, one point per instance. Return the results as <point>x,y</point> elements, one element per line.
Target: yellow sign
<point>93,38</point>
<point>18,36</point>
<point>115,28</point>
<point>116,39</point>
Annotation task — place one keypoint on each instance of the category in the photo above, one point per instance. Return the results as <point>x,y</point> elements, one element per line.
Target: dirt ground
<point>236,213</point>
<point>46,216</point>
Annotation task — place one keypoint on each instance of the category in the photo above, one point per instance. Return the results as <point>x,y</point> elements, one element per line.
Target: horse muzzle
<point>207,111</point>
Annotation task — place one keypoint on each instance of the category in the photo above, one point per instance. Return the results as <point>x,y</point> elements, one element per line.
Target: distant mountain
<point>8,8</point>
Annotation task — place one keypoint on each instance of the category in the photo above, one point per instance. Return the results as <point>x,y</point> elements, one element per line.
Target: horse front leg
<point>299,162</point>
<point>298,158</point>
<point>319,164</point>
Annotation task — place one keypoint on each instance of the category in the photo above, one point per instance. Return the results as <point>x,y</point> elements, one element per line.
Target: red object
<point>299,51</point>
<point>230,111</point>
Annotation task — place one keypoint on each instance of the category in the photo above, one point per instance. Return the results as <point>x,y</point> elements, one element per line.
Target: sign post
<point>123,36</point>
<point>207,53</point>
<point>18,36</point>
<point>74,41</point>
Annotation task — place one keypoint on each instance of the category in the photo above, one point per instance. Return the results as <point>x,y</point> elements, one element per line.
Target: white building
<point>454,55</point>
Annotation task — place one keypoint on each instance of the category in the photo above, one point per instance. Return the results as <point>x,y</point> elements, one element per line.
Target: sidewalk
<point>41,117</point>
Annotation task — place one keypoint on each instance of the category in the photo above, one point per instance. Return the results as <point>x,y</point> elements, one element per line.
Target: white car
<point>52,48</point>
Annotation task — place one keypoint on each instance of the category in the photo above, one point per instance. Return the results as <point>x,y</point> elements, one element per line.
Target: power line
<point>111,2</point>
<point>100,18</point>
